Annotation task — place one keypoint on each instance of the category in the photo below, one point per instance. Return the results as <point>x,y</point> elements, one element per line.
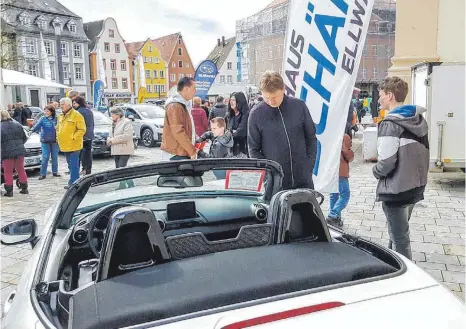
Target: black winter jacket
<point>218,111</point>
<point>286,135</point>
<point>13,139</point>
<point>240,124</point>
<point>220,147</point>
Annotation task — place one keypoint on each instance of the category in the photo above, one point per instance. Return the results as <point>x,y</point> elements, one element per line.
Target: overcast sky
<point>201,22</point>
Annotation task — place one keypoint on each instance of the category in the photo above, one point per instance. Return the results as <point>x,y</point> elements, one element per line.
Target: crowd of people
<point>66,126</point>
<point>276,127</point>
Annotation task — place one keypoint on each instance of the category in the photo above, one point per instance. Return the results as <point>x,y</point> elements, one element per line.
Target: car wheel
<point>148,138</point>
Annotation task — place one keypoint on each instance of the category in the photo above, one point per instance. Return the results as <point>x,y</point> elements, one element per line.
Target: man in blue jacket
<point>281,129</point>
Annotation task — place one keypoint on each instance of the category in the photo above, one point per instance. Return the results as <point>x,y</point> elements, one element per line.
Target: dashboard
<point>209,215</point>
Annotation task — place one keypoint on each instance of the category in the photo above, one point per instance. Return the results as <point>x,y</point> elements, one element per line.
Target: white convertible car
<point>169,245</point>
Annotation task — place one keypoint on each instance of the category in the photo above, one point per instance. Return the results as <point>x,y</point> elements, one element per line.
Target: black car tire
<point>147,137</point>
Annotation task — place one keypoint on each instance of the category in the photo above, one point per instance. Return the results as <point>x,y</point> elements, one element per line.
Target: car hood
<point>102,129</point>
<point>33,141</point>
<point>157,121</point>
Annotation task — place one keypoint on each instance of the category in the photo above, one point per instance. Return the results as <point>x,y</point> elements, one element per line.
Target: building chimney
<point>218,42</point>
<point>223,41</point>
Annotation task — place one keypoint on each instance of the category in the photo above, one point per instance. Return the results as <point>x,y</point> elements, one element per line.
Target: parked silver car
<point>147,122</point>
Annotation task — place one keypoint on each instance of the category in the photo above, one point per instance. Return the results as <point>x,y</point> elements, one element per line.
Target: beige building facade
<point>427,31</point>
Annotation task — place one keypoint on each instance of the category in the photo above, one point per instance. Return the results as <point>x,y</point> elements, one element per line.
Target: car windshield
<point>100,119</point>
<point>151,112</point>
<point>227,180</point>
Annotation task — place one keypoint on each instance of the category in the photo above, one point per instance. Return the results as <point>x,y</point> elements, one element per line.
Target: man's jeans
<point>339,201</point>
<point>72,158</point>
<point>47,151</point>
<point>398,227</point>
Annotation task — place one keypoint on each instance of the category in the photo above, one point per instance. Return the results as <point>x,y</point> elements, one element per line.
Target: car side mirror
<point>131,117</point>
<point>18,232</point>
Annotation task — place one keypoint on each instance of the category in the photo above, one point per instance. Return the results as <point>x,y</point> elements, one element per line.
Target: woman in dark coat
<point>13,152</point>
<point>237,122</point>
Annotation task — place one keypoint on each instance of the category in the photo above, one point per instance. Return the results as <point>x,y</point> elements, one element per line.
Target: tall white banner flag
<point>142,72</point>
<point>324,44</point>
<point>100,68</point>
<point>44,58</point>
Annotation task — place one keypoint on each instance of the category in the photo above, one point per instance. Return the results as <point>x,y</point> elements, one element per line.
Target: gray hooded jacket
<point>221,145</point>
<point>403,156</point>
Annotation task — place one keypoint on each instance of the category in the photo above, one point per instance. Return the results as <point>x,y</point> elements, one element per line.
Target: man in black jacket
<point>281,129</point>
<point>219,110</point>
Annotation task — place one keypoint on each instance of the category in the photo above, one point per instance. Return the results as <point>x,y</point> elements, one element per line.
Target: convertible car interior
<point>129,264</point>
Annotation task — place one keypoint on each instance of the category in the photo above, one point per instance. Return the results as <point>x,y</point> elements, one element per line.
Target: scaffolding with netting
<point>260,39</point>
<point>253,35</point>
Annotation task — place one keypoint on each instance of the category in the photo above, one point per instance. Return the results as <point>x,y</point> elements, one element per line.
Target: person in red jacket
<point>199,117</point>
<point>339,201</point>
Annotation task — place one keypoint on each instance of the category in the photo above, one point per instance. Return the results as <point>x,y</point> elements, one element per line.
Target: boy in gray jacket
<point>403,161</point>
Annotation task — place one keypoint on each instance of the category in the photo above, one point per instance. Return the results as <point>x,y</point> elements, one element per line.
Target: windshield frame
<point>77,192</point>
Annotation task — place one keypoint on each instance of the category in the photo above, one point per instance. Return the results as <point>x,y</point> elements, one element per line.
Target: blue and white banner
<point>205,77</point>
<point>99,87</point>
<point>323,48</point>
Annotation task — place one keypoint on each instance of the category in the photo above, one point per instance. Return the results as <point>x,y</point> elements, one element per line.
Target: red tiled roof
<point>133,48</point>
<point>166,45</point>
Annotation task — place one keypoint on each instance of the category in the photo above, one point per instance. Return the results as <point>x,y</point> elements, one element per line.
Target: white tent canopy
<point>15,78</point>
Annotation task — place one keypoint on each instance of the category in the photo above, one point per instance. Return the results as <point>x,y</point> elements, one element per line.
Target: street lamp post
<point>57,27</point>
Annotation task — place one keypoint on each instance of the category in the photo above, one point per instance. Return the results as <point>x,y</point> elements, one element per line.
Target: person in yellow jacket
<point>71,128</point>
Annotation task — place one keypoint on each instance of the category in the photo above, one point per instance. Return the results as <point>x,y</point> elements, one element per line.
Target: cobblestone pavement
<point>437,224</point>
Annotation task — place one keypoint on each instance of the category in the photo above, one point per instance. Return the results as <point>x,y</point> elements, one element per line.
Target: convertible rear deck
<point>220,279</point>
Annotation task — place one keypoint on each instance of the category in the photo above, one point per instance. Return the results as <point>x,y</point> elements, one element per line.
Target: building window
<point>375,50</point>
<point>222,79</point>
<point>150,59</point>
<point>72,28</point>
<point>42,24</point>
<point>77,50</point>
<point>30,46</point>
<point>78,72</point>
<point>365,51</point>
<point>187,65</point>
<point>374,73</point>
<point>149,48</point>
<point>179,41</point>
<point>155,74</point>
<point>66,71</point>
<point>48,47</point>
<point>124,83</point>
<point>64,49</point>
<point>189,75</point>
<point>229,65</point>
<point>105,63</point>
<point>52,70</point>
<point>180,52</point>
<point>230,79</point>
<point>149,88</point>
<point>388,49</point>
<point>180,63</point>
<point>144,59</point>
<point>113,64</point>
<point>111,33</point>
<point>32,69</point>
<point>114,83</point>
<point>25,19</point>
<point>364,73</point>
<point>147,74</point>
<point>180,76</point>
<point>156,88</point>
<point>107,47</point>
<point>173,64</point>
<point>172,77</point>
<point>117,47</point>
<point>162,74</point>
<point>123,65</point>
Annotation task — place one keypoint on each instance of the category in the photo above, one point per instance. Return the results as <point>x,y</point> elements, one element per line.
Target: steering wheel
<point>104,211</point>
